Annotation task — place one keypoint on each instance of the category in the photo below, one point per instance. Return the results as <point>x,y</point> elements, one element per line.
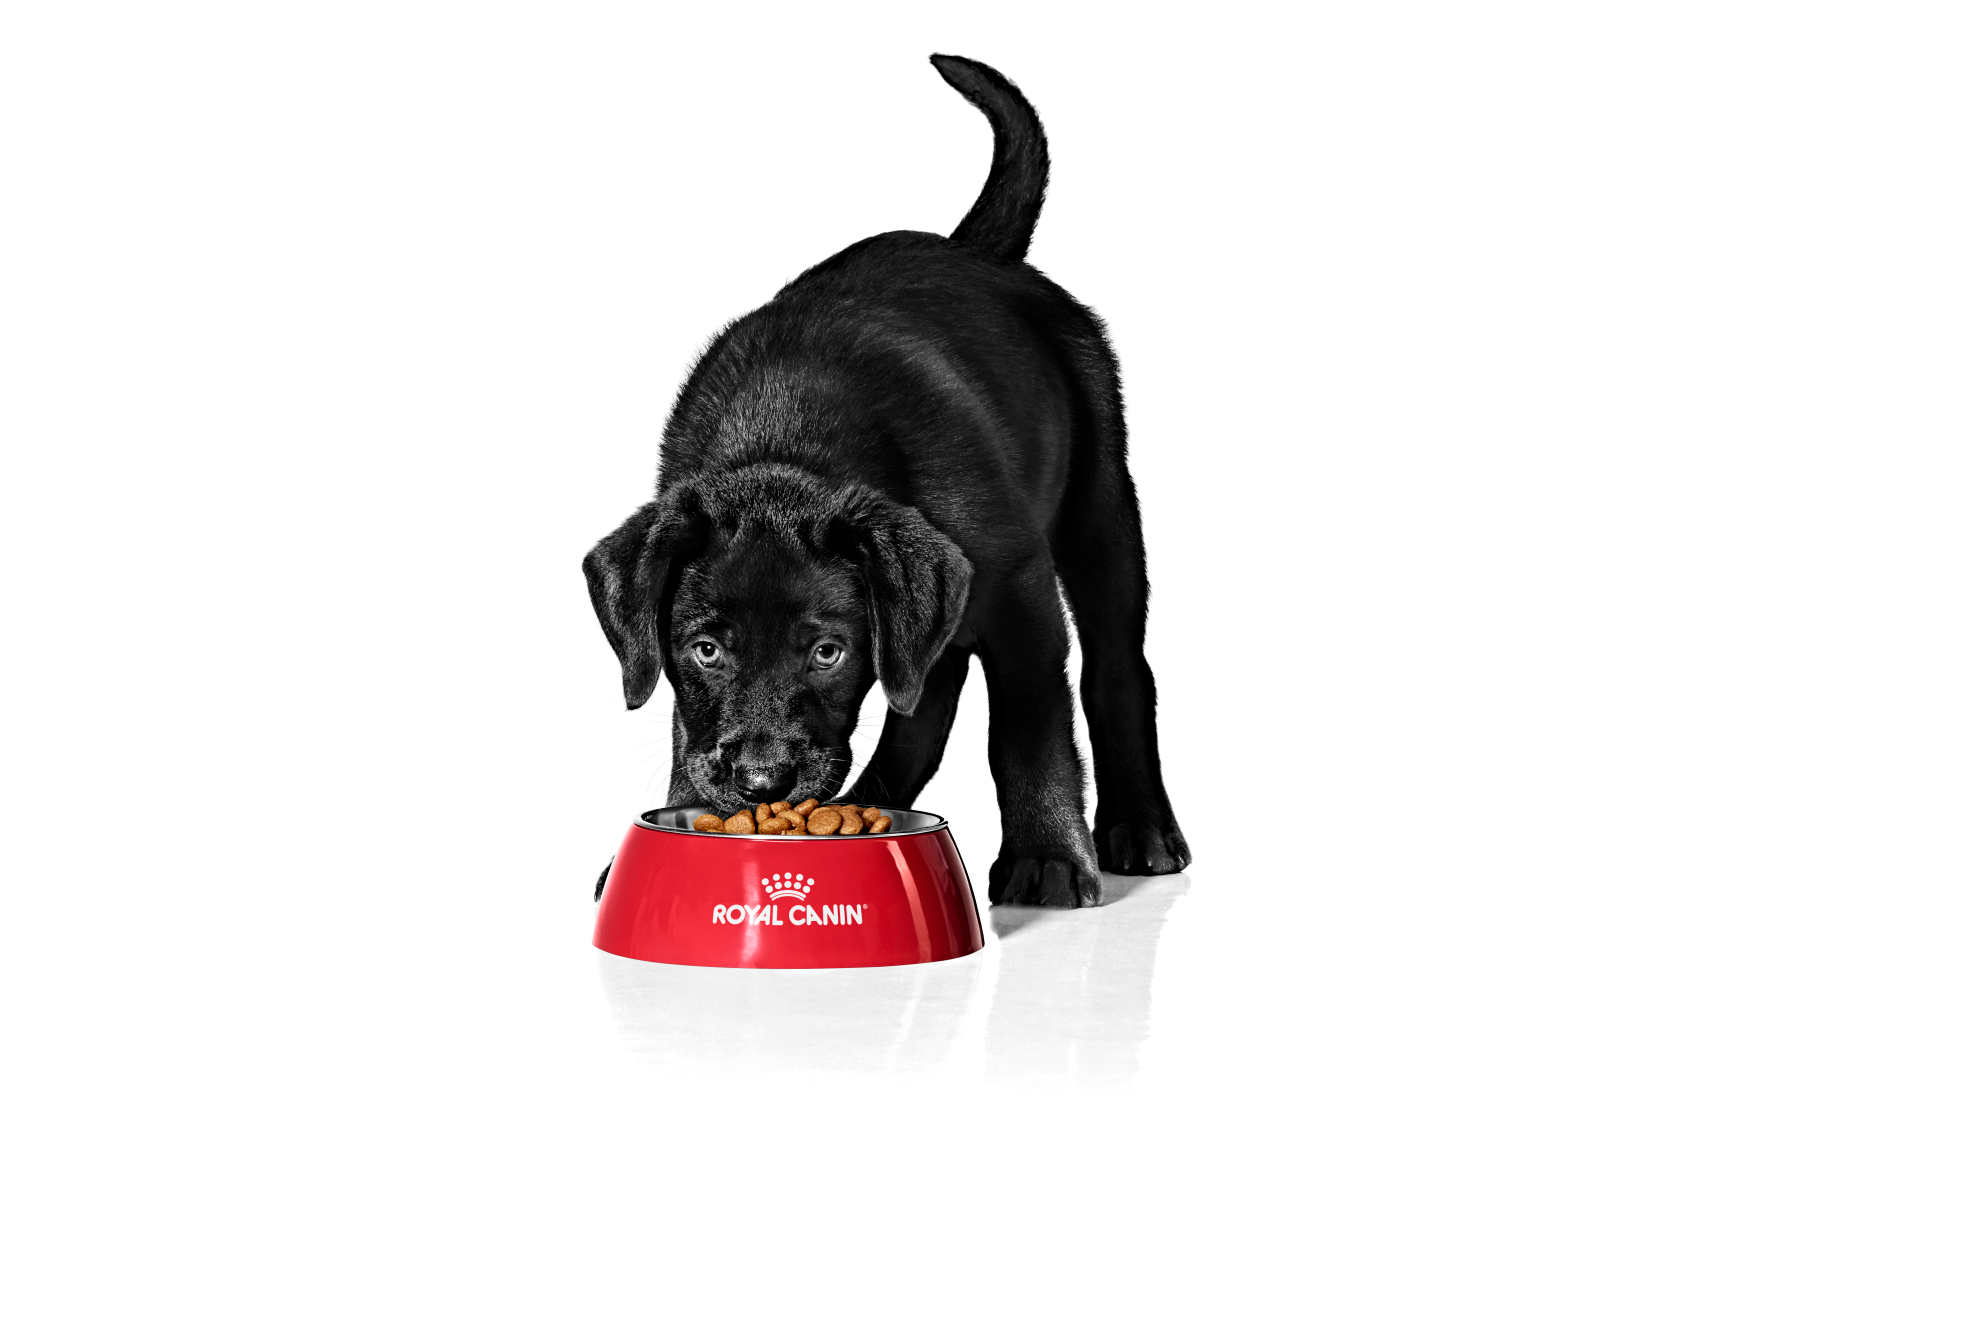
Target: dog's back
<point>941,371</point>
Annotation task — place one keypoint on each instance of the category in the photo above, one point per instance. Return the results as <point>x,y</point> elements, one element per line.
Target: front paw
<point>1044,877</point>
<point>1140,843</point>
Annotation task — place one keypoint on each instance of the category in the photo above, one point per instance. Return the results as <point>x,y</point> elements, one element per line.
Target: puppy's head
<point>772,601</point>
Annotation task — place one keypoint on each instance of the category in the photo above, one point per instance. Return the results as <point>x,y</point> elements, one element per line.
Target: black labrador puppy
<point>892,466</point>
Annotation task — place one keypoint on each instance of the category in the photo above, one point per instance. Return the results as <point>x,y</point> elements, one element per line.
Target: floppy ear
<point>917,584</point>
<point>628,573</point>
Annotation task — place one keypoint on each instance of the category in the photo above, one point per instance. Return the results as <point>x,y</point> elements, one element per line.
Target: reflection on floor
<point>1062,993</point>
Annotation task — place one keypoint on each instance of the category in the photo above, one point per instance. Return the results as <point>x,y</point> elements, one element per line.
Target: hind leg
<point>911,746</point>
<point>1104,569</point>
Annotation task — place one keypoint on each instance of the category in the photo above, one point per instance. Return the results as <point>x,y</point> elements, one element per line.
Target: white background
<point>1555,427</point>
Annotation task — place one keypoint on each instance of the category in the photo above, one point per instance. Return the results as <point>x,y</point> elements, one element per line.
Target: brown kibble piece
<point>870,815</point>
<point>806,807</point>
<point>779,808</point>
<point>708,824</point>
<point>852,824</point>
<point>740,823</point>
<point>792,819</point>
<point>774,825</point>
<point>763,812</point>
<point>881,826</point>
<point>825,820</point>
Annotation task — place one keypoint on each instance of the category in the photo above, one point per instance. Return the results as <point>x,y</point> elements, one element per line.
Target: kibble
<point>807,817</point>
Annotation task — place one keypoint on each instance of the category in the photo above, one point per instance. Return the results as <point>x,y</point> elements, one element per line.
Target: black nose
<point>765,783</point>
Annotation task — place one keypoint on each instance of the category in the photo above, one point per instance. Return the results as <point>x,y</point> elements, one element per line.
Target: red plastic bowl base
<point>714,900</point>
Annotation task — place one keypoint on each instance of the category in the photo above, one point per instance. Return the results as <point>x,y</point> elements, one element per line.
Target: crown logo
<point>788,885</point>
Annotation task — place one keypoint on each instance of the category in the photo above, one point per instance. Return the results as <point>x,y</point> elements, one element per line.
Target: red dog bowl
<point>776,900</point>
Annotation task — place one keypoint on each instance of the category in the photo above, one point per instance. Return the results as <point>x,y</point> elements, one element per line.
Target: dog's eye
<point>706,653</point>
<point>827,654</point>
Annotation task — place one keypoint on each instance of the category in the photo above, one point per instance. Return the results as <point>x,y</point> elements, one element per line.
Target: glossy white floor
<point>1058,994</point>
<point>1555,436</point>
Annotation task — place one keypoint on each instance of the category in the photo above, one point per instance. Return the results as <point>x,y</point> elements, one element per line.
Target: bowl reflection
<point>1056,992</point>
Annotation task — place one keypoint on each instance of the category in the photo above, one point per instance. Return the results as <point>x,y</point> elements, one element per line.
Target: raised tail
<point>1006,211</point>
